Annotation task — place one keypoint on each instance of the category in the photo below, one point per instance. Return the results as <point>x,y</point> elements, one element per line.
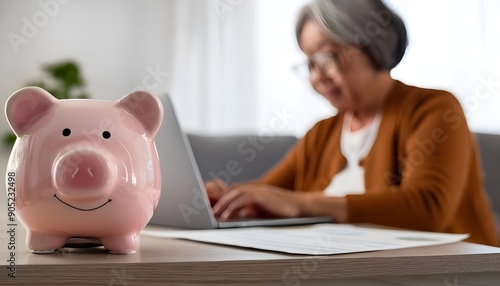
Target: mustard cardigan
<point>423,171</point>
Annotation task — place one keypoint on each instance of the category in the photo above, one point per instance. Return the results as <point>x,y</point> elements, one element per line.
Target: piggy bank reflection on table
<point>83,168</point>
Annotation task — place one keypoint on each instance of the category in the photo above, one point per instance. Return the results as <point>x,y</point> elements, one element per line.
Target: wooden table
<point>178,262</point>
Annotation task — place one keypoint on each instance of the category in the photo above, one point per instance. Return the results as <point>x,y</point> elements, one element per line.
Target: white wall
<point>118,43</point>
<point>246,55</point>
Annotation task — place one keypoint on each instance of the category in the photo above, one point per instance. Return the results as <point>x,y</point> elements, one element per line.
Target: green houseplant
<point>63,80</point>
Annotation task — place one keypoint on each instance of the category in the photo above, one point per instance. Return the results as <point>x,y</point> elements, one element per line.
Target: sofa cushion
<point>238,158</point>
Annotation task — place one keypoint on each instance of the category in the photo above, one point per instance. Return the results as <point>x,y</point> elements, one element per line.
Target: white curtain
<point>232,71</point>
<point>233,57</point>
<point>214,83</point>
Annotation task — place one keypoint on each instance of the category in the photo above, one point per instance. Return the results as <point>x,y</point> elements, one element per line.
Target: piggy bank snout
<point>82,174</point>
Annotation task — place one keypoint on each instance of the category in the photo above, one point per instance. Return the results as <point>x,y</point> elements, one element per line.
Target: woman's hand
<point>256,200</point>
<point>215,190</point>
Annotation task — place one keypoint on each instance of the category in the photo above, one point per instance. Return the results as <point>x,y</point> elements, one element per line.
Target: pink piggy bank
<point>83,168</point>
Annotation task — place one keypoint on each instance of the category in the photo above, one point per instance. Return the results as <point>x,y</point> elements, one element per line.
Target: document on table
<point>319,239</point>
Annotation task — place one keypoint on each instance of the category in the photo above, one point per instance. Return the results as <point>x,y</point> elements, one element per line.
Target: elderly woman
<point>394,154</point>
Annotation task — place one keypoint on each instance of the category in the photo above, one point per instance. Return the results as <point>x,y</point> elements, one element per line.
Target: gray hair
<point>366,24</point>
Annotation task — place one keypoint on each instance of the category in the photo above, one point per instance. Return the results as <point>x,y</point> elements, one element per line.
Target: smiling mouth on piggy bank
<point>80,209</point>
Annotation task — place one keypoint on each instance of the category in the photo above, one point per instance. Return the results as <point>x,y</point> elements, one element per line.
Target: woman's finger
<point>233,207</point>
<point>223,202</point>
<point>215,190</point>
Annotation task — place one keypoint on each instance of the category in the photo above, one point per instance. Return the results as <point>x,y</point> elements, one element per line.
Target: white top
<point>354,146</point>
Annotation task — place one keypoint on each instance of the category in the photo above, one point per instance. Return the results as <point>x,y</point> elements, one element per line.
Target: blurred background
<point>227,63</point>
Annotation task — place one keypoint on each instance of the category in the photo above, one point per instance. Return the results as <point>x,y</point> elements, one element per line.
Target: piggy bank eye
<point>66,132</point>
<point>106,134</point>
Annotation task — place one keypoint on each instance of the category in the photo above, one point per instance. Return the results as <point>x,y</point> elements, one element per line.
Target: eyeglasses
<point>325,62</point>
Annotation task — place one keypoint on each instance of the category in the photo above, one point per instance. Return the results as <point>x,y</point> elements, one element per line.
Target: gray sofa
<point>242,158</point>
<point>238,158</point>
<point>489,147</point>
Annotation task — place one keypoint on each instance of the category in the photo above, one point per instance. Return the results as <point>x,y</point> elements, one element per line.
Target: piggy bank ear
<point>145,107</point>
<point>26,106</point>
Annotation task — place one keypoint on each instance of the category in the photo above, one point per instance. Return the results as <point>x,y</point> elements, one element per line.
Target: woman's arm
<point>431,187</point>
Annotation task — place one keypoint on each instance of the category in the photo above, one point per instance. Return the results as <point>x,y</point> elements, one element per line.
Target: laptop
<point>183,201</point>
